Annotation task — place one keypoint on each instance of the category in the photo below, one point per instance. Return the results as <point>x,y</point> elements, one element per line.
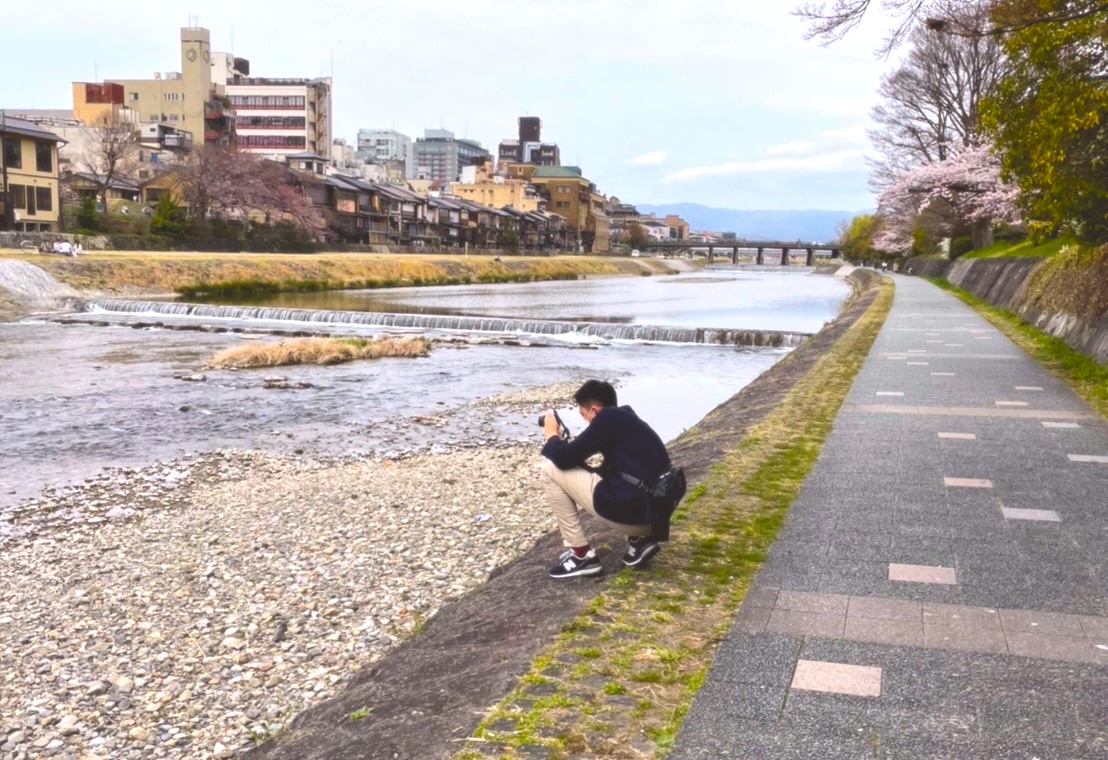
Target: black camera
<point>563,431</point>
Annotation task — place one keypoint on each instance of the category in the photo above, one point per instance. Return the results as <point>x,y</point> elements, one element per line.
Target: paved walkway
<point>939,587</point>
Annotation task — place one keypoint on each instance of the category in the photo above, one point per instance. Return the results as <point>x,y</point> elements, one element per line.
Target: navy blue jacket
<point>629,445</point>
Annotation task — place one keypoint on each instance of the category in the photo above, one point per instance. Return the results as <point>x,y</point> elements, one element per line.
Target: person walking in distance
<point>632,453</point>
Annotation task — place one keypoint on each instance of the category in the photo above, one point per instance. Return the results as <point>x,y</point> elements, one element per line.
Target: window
<point>19,196</point>
<point>173,117</point>
<point>44,157</point>
<point>44,198</point>
<point>134,96</point>
<point>13,153</point>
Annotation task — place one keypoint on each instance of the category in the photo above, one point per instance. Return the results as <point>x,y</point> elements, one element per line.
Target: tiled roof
<point>27,129</point>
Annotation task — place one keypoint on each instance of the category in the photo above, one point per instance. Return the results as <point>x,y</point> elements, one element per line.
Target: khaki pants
<point>568,490</point>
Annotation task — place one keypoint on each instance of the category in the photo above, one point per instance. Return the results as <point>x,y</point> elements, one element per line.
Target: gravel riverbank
<point>190,609</point>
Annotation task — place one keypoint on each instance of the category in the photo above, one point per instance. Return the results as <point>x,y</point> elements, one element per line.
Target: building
<point>187,100</point>
<point>381,145</point>
<point>678,227</point>
<point>480,185</point>
<point>621,217</point>
<point>440,156</point>
<point>28,177</point>
<point>569,195</point>
<point>529,147</point>
<point>278,117</point>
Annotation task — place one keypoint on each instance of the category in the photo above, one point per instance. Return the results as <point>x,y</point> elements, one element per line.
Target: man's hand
<point>550,425</point>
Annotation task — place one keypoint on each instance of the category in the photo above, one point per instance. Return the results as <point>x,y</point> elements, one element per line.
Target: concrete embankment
<point>1065,295</point>
<point>24,288</point>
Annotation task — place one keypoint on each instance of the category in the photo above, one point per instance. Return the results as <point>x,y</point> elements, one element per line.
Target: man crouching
<point>630,448</point>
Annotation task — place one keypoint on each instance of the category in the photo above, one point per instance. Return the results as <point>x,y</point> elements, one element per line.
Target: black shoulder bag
<point>661,499</point>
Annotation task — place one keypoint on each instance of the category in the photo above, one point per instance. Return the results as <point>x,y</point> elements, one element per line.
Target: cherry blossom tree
<point>226,183</point>
<point>965,190</point>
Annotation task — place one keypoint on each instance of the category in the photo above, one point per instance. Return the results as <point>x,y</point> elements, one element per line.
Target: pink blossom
<point>966,187</point>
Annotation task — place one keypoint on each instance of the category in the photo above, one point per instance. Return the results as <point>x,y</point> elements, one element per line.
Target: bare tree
<point>931,103</point>
<point>113,145</point>
<point>833,20</point>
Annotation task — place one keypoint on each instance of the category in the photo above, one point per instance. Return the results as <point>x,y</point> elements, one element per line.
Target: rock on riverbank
<point>195,629</point>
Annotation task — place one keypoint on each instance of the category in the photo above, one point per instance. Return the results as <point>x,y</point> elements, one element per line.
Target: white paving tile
<point>922,574</point>
<point>837,678</point>
<point>1046,515</point>
<point>1029,388</point>
<point>917,364</point>
<point>959,436</point>
<point>1088,458</point>
<point>1011,403</point>
<point>890,393</point>
<point>1060,425</point>
<point>953,345</point>
<point>967,483</point>
<point>942,374</point>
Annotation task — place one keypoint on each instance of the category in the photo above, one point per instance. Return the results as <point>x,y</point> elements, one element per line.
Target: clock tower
<point>196,76</point>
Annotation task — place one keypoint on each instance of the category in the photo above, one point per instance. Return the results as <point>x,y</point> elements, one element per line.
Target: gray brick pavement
<point>1008,660</point>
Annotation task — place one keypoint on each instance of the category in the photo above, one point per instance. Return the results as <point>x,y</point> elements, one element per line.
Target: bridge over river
<point>757,248</point>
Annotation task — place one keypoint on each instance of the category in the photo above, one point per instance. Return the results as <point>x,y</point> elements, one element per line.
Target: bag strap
<point>634,481</point>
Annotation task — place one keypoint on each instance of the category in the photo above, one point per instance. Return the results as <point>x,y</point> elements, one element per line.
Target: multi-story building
<point>529,148</point>
<point>28,177</point>
<point>381,145</point>
<point>569,195</point>
<point>480,185</point>
<point>278,117</point>
<point>440,156</point>
<point>187,100</point>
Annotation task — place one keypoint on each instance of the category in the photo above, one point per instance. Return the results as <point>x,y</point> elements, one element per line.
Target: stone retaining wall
<point>1002,282</point>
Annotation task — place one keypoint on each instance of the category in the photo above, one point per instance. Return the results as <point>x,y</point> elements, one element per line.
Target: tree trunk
<point>981,233</point>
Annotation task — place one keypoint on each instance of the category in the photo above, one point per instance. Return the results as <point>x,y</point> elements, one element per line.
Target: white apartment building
<point>276,117</point>
<point>381,145</point>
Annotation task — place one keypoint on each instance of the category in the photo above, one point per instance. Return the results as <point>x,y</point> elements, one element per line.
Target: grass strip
<point>619,679</point>
<point>1028,247</point>
<point>324,351</point>
<point>1080,372</point>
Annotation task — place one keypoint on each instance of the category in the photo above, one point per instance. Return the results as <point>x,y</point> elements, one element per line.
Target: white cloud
<point>855,134</point>
<point>653,158</point>
<point>835,161</point>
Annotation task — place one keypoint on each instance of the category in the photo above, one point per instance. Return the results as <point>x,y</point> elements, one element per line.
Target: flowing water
<point>76,398</point>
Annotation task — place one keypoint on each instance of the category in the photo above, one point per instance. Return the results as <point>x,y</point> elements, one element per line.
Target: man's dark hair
<point>595,392</point>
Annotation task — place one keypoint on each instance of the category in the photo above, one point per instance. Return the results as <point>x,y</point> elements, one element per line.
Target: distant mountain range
<point>813,225</point>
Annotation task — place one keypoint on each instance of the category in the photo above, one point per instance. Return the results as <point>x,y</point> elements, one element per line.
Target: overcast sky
<point>719,102</point>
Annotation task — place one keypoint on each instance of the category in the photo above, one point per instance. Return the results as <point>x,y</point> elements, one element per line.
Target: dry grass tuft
<point>323,351</point>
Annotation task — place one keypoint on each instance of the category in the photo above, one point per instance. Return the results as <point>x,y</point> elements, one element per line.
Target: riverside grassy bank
<point>126,272</point>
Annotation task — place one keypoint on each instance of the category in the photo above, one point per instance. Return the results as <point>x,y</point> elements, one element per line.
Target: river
<point>75,399</point>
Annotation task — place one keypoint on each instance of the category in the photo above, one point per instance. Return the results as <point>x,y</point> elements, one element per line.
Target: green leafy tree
<point>856,238</point>
<point>168,218</point>
<point>1049,118</point>
<point>87,217</point>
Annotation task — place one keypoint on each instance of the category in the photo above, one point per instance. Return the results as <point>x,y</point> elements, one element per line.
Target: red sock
<point>580,551</point>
